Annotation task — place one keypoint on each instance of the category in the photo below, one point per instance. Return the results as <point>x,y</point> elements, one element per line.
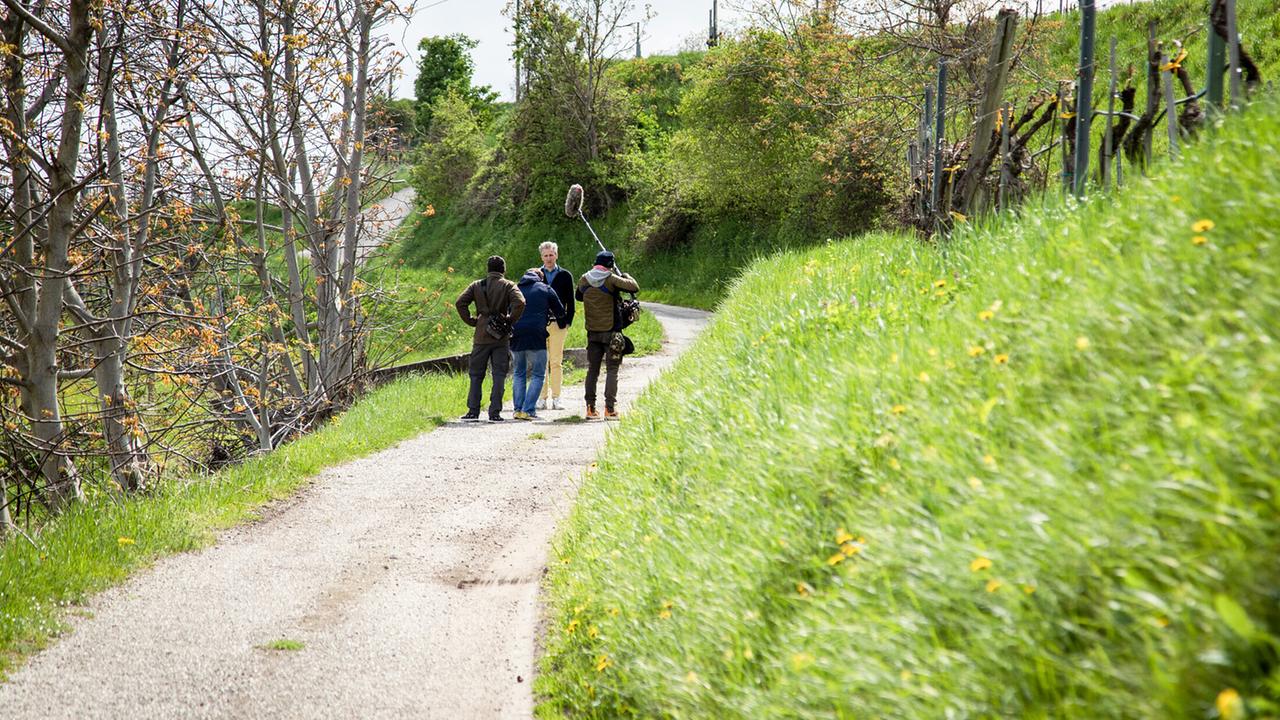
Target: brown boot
<point>610,414</point>
<point>591,413</point>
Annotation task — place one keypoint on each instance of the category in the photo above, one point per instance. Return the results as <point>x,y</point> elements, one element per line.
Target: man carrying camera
<point>499,305</point>
<point>598,290</point>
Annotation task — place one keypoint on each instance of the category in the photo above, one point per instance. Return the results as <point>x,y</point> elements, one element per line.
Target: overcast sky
<point>482,20</point>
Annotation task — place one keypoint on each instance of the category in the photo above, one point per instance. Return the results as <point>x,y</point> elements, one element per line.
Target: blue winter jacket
<point>541,306</point>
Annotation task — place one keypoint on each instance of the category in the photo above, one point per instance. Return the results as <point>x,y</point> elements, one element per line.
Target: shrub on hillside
<point>450,153</point>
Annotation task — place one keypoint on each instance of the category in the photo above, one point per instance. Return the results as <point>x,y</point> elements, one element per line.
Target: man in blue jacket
<point>529,342</point>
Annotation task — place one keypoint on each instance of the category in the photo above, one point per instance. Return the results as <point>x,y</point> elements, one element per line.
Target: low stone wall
<point>576,357</point>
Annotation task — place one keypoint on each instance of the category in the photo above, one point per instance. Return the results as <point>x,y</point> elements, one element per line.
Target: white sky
<point>482,20</point>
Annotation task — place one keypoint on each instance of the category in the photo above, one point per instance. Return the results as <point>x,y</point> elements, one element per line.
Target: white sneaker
<point>555,404</point>
<point>542,404</point>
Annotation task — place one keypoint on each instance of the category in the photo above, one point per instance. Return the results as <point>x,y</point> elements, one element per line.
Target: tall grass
<point>1030,472</point>
<point>100,543</point>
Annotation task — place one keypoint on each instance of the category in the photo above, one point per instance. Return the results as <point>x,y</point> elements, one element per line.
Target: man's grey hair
<point>548,245</point>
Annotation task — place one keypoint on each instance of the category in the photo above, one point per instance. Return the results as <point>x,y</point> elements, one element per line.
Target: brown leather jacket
<point>500,295</point>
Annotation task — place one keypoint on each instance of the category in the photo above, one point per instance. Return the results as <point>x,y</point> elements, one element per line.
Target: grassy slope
<point>1053,442</point>
<point>103,542</point>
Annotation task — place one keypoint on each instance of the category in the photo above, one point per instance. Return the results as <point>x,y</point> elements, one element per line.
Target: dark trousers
<point>597,352</point>
<point>496,357</point>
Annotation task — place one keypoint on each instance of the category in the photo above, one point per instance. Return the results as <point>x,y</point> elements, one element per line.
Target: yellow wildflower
<point>1202,226</point>
<point>974,482</point>
<point>613,612</point>
<point>691,677</point>
<point>1001,359</point>
<point>1082,343</point>
<point>939,283</point>
<point>593,631</point>
<point>665,615</point>
<point>603,662</point>
<point>801,660</point>
<point>1229,704</point>
<point>125,541</point>
<point>804,589</point>
<point>850,549</point>
<point>924,376</point>
<point>1199,240</point>
<point>836,559</point>
<point>986,315</point>
<point>843,536</point>
<point>899,409</point>
<point>993,585</point>
<point>573,625</point>
<point>980,563</point>
<point>989,460</point>
<point>1029,589</point>
<point>976,350</point>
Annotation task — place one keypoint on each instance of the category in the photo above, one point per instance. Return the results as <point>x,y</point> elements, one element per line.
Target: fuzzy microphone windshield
<point>573,201</point>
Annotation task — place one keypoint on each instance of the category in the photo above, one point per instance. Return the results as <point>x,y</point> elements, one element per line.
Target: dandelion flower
<point>1001,359</point>
<point>593,631</point>
<point>1029,589</point>
<point>989,460</point>
<point>665,615</point>
<point>1229,704</point>
<point>993,585</point>
<point>801,660</point>
<point>603,662</point>
<point>899,409</point>
<point>986,315</point>
<point>1199,240</point>
<point>573,625</point>
<point>804,589</point>
<point>939,283</point>
<point>924,376</point>
<point>976,350</point>
<point>843,536</point>
<point>1202,226</point>
<point>125,541</point>
<point>1082,343</point>
<point>836,559</point>
<point>980,563</point>
<point>974,482</point>
<point>691,677</point>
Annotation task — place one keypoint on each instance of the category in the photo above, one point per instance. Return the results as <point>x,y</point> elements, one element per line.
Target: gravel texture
<point>411,578</point>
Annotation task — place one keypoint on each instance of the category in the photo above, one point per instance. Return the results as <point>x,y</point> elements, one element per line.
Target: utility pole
<point>519,22</point>
<point>713,31</point>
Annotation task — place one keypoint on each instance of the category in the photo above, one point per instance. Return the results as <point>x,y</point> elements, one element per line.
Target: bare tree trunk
<point>62,480</point>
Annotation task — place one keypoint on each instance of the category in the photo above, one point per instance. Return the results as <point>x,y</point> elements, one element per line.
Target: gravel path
<point>411,578</point>
<point>382,219</point>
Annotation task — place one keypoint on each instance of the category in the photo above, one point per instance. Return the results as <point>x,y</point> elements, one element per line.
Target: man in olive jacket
<point>493,295</point>
<point>598,290</point>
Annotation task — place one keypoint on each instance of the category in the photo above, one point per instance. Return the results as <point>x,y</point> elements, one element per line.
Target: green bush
<point>450,153</point>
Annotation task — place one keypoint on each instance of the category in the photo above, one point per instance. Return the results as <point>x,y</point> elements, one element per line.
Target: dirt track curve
<point>411,577</point>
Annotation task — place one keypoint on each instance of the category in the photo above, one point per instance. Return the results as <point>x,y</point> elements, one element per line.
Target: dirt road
<point>408,578</point>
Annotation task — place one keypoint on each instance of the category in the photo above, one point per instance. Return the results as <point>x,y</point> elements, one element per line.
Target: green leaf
<point>1236,618</point>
